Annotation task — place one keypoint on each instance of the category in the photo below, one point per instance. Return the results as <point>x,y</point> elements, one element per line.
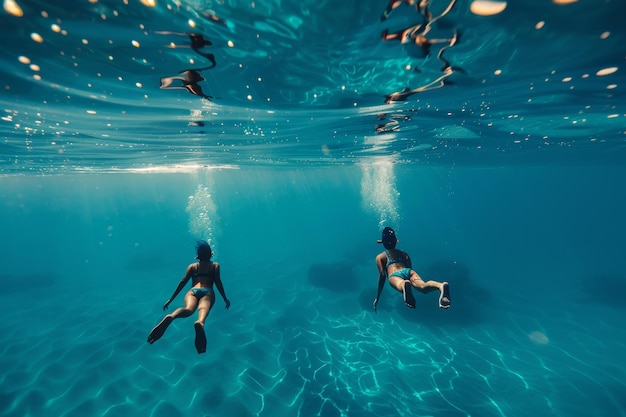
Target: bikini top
<point>391,261</point>
<point>208,274</point>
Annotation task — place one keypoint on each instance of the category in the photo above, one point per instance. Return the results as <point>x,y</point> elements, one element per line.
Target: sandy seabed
<point>305,352</point>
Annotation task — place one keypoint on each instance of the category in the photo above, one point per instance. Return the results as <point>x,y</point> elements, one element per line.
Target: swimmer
<point>394,265</point>
<point>203,274</point>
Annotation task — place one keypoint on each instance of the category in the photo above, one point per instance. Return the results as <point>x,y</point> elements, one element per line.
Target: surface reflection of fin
<point>198,41</point>
<point>210,57</point>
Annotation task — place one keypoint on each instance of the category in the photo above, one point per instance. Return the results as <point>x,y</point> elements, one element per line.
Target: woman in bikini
<point>395,265</point>
<point>203,275</point>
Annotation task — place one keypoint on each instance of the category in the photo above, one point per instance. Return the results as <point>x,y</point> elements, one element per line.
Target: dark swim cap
<point>203,251</point>
<point>388,238</point>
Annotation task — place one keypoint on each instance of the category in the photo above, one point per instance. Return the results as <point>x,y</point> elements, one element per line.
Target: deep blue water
<point>507,181</point>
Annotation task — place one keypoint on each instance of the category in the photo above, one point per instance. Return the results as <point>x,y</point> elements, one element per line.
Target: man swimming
<point>203,275</point>
<point>395,265</point>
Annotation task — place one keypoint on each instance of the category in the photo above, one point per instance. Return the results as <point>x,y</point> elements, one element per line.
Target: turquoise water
<point>507,181</point>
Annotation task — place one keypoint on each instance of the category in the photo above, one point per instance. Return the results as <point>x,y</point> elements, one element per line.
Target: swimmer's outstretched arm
<point>180,286</point>
<point>381,285</point>
<point>382,277</point>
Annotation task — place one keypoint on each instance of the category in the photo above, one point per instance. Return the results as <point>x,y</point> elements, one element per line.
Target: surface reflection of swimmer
<point>392,125</point>
<point>446,64</point>
<point>421,6</point>
<point>197,42</point>
<point>407,92</point>
<point>420,40</point>
<point>394,266</point>
<point>210,14</point>
<point>448,69</point>
<point>417,33</point>
<point>406,35</point>
<point>189,80</point>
